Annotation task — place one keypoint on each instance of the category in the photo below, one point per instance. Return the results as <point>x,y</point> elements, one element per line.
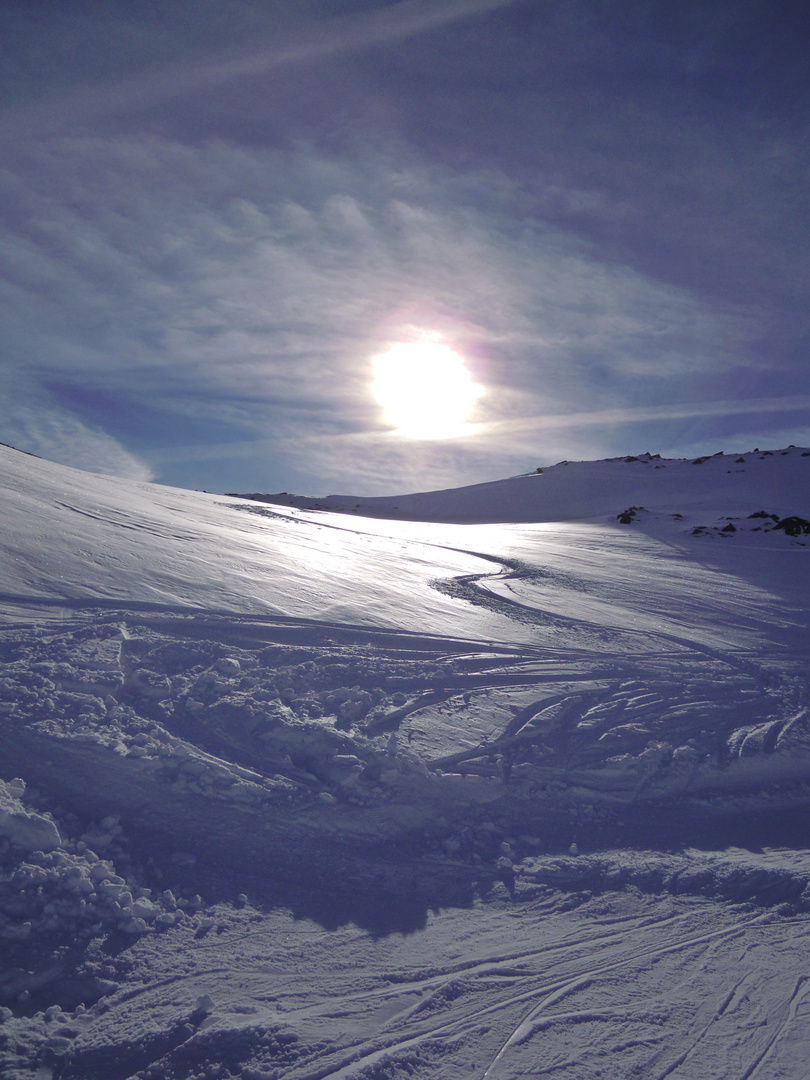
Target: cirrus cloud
<point>249,288</point>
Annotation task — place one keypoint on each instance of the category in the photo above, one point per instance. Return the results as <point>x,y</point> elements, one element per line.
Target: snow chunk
<point>22,827</point>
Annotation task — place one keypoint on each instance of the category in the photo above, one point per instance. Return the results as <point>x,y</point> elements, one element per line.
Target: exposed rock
<point>794,526</point>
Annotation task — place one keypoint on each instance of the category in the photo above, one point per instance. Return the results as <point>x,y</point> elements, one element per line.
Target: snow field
<point>595,986</point>
<point>296,794</point>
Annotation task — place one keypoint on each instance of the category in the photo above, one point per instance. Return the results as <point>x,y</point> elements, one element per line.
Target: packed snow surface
<point>499,782</point>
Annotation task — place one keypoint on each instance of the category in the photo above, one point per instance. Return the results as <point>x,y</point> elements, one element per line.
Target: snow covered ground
<point>499,782</point>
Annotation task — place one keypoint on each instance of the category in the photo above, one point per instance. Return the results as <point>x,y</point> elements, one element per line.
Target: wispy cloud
<point>315,42</point>
<point>201,256</point>
<point>639,414</point>
<point>250,289</point>
<point>55,434</point>
<point>492,450</point>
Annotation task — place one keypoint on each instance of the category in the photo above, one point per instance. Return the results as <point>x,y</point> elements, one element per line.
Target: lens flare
<point>424,388</point>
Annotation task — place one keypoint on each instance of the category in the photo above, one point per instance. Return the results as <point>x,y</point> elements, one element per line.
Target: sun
<point>424,388</point>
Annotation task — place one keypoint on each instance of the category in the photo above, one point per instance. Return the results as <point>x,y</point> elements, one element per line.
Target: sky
<point>217,215</point>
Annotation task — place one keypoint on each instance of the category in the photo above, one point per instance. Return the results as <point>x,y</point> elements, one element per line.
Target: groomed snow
<point>498,782</point>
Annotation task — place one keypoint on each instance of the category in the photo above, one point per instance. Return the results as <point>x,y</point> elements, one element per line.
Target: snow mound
<point>20,827</point>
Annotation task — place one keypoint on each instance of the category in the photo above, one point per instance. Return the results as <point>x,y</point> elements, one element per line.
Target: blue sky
<point>214,214</point>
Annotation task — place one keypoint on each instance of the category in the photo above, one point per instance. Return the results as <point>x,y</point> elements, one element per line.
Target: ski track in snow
<point>623,999</point>
<point>305,796</point>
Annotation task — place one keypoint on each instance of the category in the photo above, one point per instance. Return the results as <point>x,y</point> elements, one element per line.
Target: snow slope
<point>570,490</point>
<point>512,781</point>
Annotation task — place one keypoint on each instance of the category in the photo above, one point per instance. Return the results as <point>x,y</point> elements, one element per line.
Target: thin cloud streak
<point>640,414</point>
<point>603,417</point>
<point>339,36</point>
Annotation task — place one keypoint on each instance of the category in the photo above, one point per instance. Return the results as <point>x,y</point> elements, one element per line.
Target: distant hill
<point>775,481</point>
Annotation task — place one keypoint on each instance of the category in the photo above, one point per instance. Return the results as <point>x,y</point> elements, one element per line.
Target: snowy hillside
<point>571,490</point>
<point>494,782</point>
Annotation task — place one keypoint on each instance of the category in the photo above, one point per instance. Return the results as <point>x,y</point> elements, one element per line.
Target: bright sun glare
<point>424,388</point>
